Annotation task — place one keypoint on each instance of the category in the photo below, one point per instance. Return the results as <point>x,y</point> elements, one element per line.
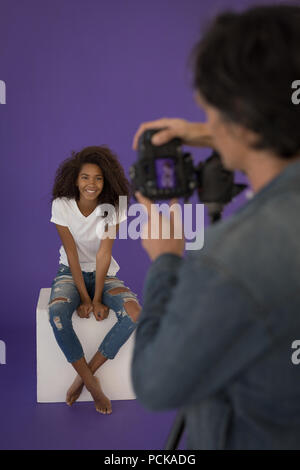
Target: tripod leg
<point>176,432</point>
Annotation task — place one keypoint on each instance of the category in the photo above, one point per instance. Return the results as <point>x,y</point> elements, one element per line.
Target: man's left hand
<point>165,229</point>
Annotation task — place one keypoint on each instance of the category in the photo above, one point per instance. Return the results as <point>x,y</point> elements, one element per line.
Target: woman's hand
<point>100,310</point>
<point>84,309</point>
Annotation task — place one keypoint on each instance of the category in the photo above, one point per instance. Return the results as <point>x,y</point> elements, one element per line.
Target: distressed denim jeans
<point>68,300</point>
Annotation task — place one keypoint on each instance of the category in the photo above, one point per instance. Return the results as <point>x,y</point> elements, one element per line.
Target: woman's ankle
<point>93,385</point>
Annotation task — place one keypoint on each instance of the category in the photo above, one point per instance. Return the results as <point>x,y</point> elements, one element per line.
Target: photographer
<point>216,330</point>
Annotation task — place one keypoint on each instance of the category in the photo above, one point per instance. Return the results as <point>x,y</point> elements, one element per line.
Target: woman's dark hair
<point>245,65</point>
<point>115,181</point>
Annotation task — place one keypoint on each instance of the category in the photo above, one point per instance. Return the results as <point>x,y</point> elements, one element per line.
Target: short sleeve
<point>58,215</point>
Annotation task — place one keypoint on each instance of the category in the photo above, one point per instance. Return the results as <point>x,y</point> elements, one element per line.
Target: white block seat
<point>55,374</point>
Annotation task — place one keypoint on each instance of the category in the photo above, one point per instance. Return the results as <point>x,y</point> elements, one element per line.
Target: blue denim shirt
<point>216,330</point>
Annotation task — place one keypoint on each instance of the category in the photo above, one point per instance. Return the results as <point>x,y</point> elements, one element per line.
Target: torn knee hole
<point>132,308</point>
<point>64,279</point>
<point>59,300</point>
<point>118,290</point>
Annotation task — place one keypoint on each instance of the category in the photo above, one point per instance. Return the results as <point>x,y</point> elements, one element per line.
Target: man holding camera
<point>216,330</point>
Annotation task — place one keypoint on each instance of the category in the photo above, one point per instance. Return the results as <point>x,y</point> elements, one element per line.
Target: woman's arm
<point>73,260</point>
<point>103,259</point>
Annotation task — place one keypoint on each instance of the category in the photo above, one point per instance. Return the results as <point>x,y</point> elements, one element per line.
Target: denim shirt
<point>216,330</point>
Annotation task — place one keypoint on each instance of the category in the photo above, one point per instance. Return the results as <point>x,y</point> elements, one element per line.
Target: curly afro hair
<point>115,181</point>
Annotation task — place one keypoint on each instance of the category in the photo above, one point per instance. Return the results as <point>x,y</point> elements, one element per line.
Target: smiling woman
<point>86,280</point>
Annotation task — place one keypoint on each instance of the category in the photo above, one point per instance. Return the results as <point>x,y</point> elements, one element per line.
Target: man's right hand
<point>195,134</point>
<point>84,309</point>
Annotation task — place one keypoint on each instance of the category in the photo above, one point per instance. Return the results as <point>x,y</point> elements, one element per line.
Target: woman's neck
<point>86,206</point>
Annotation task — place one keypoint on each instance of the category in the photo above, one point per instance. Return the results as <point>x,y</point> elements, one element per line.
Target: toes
<point>104,411</point>
<point>72,398</point>
<point>100,410</point>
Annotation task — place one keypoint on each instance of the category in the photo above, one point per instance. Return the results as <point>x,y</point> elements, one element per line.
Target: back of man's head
<point>245,66</point>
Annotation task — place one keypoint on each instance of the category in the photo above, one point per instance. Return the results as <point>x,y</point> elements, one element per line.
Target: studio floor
<point>26,424</point>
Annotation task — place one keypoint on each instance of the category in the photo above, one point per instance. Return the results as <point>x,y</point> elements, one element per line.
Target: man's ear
<point>242,133</point>
<point>248,136</point>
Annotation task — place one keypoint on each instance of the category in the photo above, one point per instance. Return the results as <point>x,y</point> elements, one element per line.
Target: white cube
<point>55,374</point>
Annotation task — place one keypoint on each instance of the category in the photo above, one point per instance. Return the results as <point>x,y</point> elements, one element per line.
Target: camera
<point>166,172</point>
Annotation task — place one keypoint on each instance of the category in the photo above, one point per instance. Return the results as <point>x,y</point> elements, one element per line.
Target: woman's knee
<point>133,309</point>
<point>58,301</point>
<point>130,307</point>
<point>60,312</point>
<point>126,300</point>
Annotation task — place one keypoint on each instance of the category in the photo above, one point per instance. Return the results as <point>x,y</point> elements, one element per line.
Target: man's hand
<point>195,134</point>
<point>168,232</point>
<point>100,310</point>
<point>84,309</point>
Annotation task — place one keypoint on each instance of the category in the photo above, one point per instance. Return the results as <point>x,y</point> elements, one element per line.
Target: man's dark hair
<point>245,65</point>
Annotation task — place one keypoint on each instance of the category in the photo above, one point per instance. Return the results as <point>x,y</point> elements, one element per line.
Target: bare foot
<point>102,403</point>
<point>74,391</point>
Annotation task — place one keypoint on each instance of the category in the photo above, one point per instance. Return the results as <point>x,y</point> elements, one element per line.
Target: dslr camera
<point>166,172</point>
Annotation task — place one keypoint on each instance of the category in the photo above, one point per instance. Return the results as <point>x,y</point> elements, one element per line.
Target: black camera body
<point>162,172</point>
<point>166,172</point>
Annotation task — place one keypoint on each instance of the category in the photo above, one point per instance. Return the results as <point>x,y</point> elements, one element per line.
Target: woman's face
<point>90,181</point>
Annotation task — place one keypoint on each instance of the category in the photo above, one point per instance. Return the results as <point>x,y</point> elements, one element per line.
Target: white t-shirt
<point>86,232</point>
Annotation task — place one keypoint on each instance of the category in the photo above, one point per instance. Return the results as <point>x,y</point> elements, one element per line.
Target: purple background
<point>78,73</point>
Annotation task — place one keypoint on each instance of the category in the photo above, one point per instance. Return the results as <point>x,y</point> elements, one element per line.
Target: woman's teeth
<point>90,191</point>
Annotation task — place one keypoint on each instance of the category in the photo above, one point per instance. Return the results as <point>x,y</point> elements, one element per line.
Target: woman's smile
<point>94,193</point>
<point>91,191</point>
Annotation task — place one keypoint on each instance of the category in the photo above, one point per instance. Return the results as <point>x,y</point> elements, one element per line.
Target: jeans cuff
<point>104,354</point>
<point>76,359</point>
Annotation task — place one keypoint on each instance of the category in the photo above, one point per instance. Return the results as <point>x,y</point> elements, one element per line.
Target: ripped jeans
<point>61,311</point>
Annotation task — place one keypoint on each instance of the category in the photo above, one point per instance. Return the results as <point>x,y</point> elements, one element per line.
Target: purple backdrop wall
<point>78,72</point>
